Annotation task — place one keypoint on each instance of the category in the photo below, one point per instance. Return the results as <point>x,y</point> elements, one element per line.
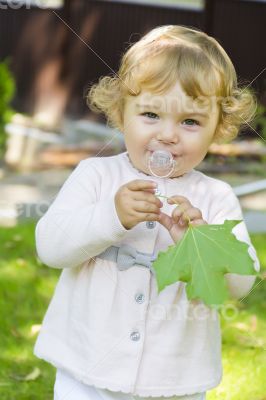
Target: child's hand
<point>182,215</point>
<point>135,202</point>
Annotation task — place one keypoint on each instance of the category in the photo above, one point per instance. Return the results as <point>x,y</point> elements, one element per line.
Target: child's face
<point>168,122</point>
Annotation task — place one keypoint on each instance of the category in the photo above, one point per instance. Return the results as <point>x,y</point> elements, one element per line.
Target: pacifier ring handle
<point>162,176</point>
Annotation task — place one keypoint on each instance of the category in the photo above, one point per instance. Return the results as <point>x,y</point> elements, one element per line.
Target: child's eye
<point>150,115</point>
<point>193,122</point>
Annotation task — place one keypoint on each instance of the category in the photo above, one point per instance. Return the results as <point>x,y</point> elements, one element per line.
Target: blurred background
<point>51,51</point>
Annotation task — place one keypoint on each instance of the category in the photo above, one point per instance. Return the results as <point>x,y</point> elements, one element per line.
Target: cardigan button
<point>135,336</point>
<point>139,298</point>
<point>150,224</point>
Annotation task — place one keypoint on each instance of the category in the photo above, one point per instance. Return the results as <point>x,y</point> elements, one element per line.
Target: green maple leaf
<point>201,259</point>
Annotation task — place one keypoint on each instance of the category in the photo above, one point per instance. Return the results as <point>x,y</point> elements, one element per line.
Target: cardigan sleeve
<point>77,225</point>
<point>226,206</point>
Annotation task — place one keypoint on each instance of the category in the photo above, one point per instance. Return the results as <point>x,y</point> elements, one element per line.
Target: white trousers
<point>68,388</point>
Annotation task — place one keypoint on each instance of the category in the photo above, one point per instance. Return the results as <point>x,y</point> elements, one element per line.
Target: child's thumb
<point>165,220</point>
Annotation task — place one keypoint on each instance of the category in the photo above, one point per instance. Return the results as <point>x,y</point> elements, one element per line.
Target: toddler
<point>108,331</point>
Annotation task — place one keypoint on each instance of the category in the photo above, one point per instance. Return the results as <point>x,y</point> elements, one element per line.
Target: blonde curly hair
<point>172,53</point>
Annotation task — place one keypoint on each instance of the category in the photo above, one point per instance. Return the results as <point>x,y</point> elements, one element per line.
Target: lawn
<point>26,287</point>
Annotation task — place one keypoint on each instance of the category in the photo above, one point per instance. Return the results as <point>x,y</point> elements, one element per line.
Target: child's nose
<point>168,135</point>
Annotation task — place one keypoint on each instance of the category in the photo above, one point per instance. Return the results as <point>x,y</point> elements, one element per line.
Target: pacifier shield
<point>161,163</point>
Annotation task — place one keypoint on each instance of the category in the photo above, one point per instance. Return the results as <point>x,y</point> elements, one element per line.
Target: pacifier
<point>161,163</point>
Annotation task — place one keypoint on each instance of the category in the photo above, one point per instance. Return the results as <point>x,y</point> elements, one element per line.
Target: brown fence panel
<point>36,38</point>
<point>59,53</point>
<point>108,28</point>
<point>240,26</point>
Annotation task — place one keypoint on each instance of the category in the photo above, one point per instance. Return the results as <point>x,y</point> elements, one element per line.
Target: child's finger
<point>179,211</point>
<point>141,184</point>
<point>198,222</point>
<point>191,214</point>
<point>178,200</point>
<point>149,190</point>
<point>147,197</point>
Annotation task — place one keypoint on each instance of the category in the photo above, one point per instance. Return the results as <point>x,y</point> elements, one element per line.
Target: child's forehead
<point>171,97</point>
<point>174,101</point>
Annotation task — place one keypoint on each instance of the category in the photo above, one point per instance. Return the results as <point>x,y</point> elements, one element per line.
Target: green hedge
<point>7,90</point>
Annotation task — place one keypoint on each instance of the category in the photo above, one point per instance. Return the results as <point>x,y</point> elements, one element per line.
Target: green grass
<point>26,287</point>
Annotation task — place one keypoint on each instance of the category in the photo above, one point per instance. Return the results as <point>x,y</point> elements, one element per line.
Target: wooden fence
<point>56,54</point>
